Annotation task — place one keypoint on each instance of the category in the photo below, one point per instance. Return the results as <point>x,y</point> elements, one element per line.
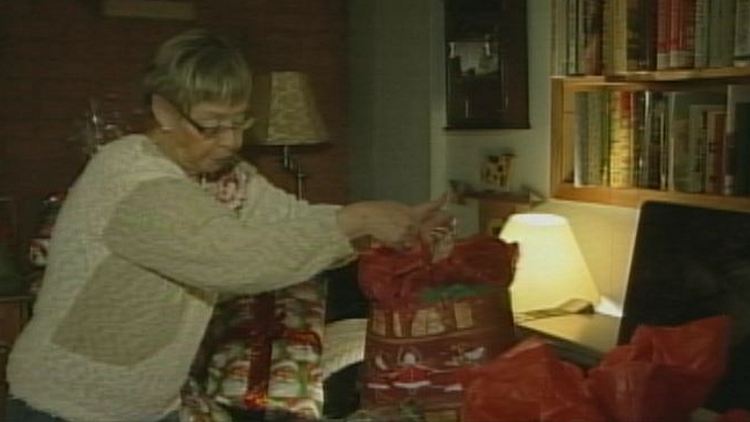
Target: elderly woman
<point>147,240</point>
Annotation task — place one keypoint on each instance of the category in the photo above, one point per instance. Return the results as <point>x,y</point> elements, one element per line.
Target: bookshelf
<point>600,100</point>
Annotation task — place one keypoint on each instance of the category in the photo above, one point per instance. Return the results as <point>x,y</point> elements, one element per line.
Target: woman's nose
<point>231,138</point>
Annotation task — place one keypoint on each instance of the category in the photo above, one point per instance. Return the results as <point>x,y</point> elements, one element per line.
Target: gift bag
<point>267,360</point>
<point>431,319</point>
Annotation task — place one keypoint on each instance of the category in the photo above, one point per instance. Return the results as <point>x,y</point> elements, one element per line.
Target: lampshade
<point>285,110</point>
<point>550,268</point>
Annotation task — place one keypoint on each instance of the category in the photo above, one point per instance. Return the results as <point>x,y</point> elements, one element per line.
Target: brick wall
<point>56,54</point>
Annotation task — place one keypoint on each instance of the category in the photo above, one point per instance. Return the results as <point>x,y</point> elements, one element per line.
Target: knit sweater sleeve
<point>172,227</point>
<point>267,202</point>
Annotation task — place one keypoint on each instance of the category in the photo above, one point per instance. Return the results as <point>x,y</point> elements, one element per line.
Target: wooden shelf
<point>683,74</point>
<point>633,198</point>
<point>562,110</point>
<point>672,75</point>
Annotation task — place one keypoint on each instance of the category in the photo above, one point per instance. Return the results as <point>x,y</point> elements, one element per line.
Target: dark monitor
<point>689,263</point>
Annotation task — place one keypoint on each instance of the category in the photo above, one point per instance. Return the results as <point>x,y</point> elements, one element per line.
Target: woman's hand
<point>392,223</point>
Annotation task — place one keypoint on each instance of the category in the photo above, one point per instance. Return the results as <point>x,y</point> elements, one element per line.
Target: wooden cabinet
<point>565,137</point>
<point>14,312</point>
<point>486,64</point>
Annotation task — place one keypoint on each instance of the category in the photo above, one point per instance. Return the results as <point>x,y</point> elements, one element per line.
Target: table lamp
<point>286,115</point>
<point>550,270</point>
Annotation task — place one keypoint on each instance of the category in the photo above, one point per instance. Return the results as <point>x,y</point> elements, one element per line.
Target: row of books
<point>592,37</point>
<point>694,141</point>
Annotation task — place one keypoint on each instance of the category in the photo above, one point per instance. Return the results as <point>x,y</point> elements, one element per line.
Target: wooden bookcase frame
<point>561,110</point>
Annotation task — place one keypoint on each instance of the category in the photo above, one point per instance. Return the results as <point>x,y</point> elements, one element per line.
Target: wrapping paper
<point>267,360</point>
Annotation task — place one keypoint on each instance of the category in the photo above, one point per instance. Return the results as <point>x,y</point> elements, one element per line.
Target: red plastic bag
<point>528,383</point>
<point>664,373</point>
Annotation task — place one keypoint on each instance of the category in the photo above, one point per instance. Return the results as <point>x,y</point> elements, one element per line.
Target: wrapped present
<point>198,407</point>
<point>267,360</point>
<point>431,319</point>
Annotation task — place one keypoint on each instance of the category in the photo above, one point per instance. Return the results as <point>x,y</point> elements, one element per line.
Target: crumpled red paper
<point>528,383</point>
<point>394,278</point>
<point>662,375</point>
<point>734,415</point>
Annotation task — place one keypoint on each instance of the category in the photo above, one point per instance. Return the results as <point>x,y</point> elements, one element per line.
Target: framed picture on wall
<point>486,64</point>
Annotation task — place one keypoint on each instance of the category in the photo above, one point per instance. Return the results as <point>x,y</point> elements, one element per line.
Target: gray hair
<point>198,66</point>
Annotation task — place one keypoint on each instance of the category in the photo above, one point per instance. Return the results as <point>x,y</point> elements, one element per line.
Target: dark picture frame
<point>486,64</point>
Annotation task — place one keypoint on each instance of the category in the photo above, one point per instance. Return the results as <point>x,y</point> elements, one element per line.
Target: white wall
<point>605,233</point>
<point>389,93</point>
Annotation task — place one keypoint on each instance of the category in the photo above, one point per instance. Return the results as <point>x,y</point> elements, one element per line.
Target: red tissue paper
<point>393,278</point>
<point>528,383</point>
<point>665,373</point>
<point>662,375</point>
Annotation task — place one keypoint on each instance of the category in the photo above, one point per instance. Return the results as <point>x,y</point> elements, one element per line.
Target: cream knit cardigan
<point>138,256</point>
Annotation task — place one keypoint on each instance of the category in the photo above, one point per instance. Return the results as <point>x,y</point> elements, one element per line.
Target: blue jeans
<point>18,411</point>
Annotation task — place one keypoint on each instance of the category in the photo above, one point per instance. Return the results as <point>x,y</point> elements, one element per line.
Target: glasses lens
<point>218,130</point>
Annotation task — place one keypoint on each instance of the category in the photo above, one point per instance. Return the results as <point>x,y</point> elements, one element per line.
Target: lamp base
<point>292,165</point>
<point>570,306</point>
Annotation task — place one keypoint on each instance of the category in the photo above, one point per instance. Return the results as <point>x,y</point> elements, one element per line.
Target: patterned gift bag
<point>431,320</point>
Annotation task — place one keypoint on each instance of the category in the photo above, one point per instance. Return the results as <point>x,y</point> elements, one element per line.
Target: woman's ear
<point>164,113</point>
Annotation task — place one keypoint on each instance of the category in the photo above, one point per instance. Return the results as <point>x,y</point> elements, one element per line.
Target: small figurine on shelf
<point>496,171</point>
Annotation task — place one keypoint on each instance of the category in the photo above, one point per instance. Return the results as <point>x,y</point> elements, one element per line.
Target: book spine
<point>607,8</point>
<point>592,43</point>
<point>662,33</point>
<point>656,140</point>
<point>638,135</point>
<point>714,151</point>
<point>619,36</point>
<point>665,149</point>
<point>700,58</point>
<point>580,156</point>
<point>572,31</point>
<point>727,42</point>
<point>634,33</point>
<point>594,142</point>
<point>621,163</point>
<point>675,28</point>
<point>581,12</point>
<point>742,150</point>
<point>687,35</point>
<point>558,58</point>
<point>742,34</point>
<point>714,33</point>
<point>736,94</point>
<point>649,34</point>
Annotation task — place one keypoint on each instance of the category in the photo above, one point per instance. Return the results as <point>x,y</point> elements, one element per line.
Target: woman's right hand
<point>390,223</point>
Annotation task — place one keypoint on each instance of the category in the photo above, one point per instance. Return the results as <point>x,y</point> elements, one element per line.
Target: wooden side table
<point>14,313</point>
<point>582,339</point>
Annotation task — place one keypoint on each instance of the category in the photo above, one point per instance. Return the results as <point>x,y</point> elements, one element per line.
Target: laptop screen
<point>689,263</point>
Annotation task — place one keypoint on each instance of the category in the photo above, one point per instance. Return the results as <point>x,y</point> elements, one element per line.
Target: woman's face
<point>206,140</point>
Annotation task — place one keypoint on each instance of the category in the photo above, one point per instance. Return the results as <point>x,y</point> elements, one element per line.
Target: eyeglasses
<point>215,131</point>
